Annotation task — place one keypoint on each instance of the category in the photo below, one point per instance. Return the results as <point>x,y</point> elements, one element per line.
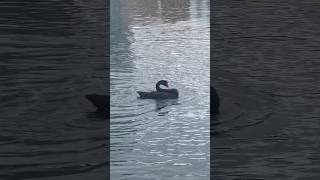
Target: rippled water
<point>265,64</point>
<point>52,54</point>
<point>153,40</point>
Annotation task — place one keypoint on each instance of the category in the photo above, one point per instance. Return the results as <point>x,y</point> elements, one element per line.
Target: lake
<point>52,54</point>
<point>264,65</point>
<point>150,41</point>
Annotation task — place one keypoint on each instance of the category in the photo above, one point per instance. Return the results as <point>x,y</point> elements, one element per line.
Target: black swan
<point>215,100</point>
<point>160,93</point>
<point>99,101</point>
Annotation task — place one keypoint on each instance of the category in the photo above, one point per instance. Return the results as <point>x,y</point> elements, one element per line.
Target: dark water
<point>150,41</point>
<point>265,64</point>
<point>52,53</point>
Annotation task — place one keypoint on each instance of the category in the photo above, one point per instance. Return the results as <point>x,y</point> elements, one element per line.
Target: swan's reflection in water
<point>215,127</point>
<point>162,103</point>
<point>98,116</point>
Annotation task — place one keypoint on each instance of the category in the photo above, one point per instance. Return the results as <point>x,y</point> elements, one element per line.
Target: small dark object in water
<point>160,93</point>
<point>215,100</point>
<point>99,101</point>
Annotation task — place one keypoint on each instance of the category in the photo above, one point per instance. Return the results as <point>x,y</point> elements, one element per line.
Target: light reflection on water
<point>151,41</point>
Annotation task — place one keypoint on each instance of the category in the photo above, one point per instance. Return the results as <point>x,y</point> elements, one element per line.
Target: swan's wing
<point>147,94</point>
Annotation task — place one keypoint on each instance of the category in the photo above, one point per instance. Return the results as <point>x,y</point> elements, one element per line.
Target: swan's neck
<point>158,88</point>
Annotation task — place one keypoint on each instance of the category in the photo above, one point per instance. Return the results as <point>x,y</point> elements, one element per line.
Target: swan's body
<point>99,101</point>
<point>172,94</point>
<point>215,100</point>
<point>160,93</point>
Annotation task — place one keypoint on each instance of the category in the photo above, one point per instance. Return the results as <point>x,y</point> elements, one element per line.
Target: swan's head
<point>163,82</point>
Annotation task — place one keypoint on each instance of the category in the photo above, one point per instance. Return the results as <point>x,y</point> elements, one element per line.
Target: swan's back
<point>167,94</point>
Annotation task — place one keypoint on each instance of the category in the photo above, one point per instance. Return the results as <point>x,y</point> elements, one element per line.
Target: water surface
<point>150,41</point>
<point>52,54</point>
<point>265,64</point>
